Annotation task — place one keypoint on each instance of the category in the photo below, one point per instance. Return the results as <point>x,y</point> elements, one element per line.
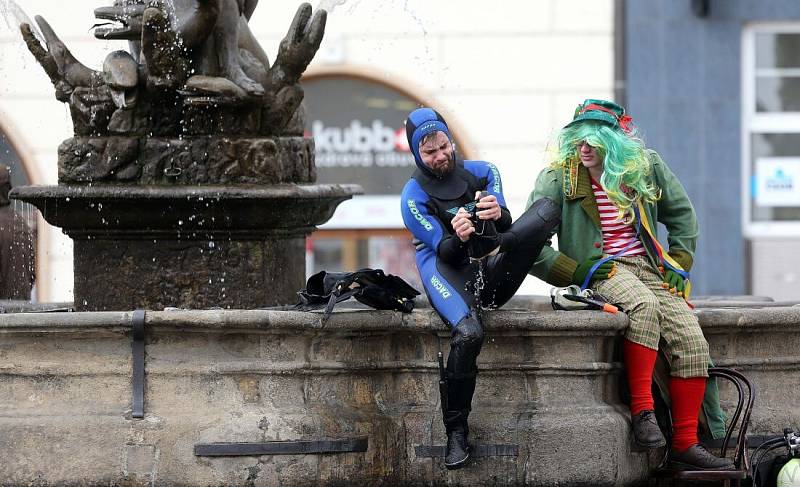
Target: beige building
<point>506,76</point>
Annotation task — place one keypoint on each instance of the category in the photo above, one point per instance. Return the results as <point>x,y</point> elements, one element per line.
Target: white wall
<point>509,72</point>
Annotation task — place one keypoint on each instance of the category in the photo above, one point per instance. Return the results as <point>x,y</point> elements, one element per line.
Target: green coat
<point>580,236</point>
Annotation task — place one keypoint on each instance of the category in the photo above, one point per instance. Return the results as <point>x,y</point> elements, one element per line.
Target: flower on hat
<point>603,111</point>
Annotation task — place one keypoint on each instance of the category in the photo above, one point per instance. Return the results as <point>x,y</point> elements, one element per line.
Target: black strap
<point>369,286</point>
<point>423,451</point>
<point>138,364</point>
<point>301,447</point>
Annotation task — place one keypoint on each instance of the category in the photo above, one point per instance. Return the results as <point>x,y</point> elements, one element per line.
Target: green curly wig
<point>626,168</point>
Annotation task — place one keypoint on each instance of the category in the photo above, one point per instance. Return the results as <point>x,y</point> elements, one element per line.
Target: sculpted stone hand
<point>299,46</point>
<point>64,70</point>
<point>296,50</point>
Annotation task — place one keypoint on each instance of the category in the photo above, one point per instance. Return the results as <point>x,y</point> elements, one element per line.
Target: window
<point>771,130</point>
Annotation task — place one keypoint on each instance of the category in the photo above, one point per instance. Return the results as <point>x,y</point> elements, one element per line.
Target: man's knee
<point>535,224</point>
<point>468,333</point>
<point>692,347</point>
<point>644,320</point>
<point>645,307</point>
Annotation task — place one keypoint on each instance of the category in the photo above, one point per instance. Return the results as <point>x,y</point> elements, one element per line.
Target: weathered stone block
<point>284,348</point>
<point>154,274</point>
<point>140,460</point>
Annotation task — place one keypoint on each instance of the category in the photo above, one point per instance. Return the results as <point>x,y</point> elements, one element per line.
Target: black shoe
<point>646,432</point>
<point>696,457</point>
<point>457,450</point>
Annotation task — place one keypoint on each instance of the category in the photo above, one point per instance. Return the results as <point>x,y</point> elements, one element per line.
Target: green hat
<point>603,111</point>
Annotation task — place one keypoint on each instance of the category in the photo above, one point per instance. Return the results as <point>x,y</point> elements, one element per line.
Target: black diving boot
<point>457,449</point>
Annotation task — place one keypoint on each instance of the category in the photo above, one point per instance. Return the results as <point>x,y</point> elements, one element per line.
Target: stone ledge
<point>363,320</point>
<point>340,321</point>
<point>255,375</point>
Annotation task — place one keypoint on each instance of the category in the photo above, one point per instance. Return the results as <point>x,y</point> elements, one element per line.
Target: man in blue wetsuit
<point>457,213</point>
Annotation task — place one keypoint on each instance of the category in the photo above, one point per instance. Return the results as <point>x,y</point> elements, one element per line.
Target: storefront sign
<point>777,181</point>
<point>358,132</point>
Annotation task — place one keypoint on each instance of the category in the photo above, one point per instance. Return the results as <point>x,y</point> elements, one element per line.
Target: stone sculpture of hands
<point>299,46</point>
<point>64,70</point>
<point>296,50</point>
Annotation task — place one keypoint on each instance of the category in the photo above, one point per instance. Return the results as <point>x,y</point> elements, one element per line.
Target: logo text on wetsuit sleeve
<point>496,174</point>
<point>440,287</point>
<point>412,207</point>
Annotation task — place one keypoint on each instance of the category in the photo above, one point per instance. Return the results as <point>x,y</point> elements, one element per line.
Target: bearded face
<point>436,152</point>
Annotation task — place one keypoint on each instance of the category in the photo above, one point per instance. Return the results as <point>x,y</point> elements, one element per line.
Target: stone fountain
<point>188,182</point>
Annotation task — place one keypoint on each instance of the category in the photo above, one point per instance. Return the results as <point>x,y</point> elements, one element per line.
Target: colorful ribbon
<point>623,120</point>
<point>666,260</point>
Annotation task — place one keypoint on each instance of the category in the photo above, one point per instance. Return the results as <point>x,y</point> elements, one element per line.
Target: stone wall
<point>547,391</point>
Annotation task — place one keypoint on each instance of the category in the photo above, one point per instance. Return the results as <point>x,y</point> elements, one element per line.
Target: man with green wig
<point>612,191</point>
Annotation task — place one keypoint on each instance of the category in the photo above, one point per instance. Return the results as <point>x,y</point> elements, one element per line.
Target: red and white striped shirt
<point>616,234</point>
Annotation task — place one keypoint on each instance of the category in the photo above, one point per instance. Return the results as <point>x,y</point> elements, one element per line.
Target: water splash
<point>329,5</point>
<point>13,15</point>
<point>418,20</point>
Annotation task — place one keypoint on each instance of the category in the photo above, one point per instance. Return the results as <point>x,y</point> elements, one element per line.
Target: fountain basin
<point>186,246</point>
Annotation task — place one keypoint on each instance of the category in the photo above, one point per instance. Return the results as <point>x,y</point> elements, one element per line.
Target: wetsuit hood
<point>421,122</point>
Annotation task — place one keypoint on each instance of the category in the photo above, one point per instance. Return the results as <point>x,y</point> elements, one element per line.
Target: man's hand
<point>462,225</point>
<point>604,271</point>
<point>488,206</point>
<point>674,282</point>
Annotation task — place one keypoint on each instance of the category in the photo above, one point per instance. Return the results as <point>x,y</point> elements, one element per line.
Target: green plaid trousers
<point>654,313</point>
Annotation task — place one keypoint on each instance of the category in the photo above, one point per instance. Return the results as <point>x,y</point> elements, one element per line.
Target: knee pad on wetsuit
<point>467,334</point>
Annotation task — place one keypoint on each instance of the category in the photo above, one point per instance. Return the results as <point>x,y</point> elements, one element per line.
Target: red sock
<point>687,397</point>
<point>639,363</point>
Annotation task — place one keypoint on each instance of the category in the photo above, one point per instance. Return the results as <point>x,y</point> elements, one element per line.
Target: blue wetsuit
<point>429,203</point>
<point>442,258</point>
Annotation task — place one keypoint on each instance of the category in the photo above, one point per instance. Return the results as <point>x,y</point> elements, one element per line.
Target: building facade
<point>715,85</point>
<point>506,76</point>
